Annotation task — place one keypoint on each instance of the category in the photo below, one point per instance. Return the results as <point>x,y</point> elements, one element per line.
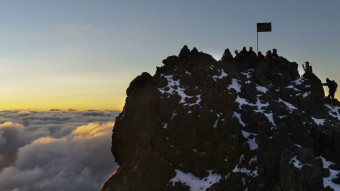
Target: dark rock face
<point>200,124</point>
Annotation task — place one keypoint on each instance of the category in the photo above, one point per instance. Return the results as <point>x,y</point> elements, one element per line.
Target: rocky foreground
<point>201,124</point>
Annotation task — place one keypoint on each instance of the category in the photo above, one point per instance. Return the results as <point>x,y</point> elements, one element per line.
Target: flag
<point>264,27</point>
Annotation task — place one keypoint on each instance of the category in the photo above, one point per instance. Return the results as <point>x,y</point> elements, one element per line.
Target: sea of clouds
<point>55,150</point>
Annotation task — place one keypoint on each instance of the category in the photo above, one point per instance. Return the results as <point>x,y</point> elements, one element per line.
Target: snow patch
<point>260,106</point>
<point>195,183</point>
<point>290,106</point>
<point>218,117</point>
<point>262,89</point>
<point>235,85</point>
<point>252,144</point>
<point>270,118</point>
<point>242,101</point>
<point>306,94</point>
<point>238,116</point>
<point>333,111</point>
<point>296,162</point>
<point>327,181</point>
<point>248,73</point>
<point>243,170</point>
<point>221,76</point>
<point>298,81</point>
<point>174,87</point>
<point>319,121</point>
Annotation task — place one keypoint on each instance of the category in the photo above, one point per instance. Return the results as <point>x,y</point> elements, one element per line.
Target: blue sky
<point>83,54</point>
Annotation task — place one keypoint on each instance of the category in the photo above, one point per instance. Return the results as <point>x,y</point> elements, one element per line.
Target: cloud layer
<point>55,150</point>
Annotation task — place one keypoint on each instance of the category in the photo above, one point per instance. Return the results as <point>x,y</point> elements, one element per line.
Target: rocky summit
<point>203,125</point>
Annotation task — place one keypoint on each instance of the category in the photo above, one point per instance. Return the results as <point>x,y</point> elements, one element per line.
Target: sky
<point>83,54</point>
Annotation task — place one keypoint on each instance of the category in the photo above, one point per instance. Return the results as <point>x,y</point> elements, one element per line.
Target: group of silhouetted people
<point>270,55</point>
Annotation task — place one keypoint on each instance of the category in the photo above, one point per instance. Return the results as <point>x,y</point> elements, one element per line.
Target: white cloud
<point>56,150</point>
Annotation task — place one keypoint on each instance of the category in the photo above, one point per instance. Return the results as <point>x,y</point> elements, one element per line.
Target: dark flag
<point>264,27</point>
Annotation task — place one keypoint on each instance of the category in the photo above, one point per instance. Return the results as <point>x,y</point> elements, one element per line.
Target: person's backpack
<point>333,84</point>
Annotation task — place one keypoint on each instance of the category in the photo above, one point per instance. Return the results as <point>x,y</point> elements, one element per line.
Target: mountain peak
<point>245,123</point>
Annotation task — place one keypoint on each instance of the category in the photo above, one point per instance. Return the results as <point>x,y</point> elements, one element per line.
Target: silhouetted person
<point>237,57</point>
<point>332,85</point>
<point>307,68</point>
<point>252,54</point>
<point>260,57</point>
<point>244,51</point>
<point>274,54</point>
<point>227,56</point>
<point>236,53</point>
<point>269,55</point>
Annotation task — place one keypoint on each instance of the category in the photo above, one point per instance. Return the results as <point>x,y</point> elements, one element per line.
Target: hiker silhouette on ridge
<point>260,57</point>
<point>332,85</point>
<point>252,54</point>
<point>307,68</point>
<point>227,56</point>
<point>244,51</point>
<point>269,55</point>
<point>274,54</point>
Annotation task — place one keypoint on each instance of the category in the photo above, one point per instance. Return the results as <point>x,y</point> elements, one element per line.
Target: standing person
<point>236,53</point>
<point>260,56</point>
<point>244,51</point>
<point>227,56</point>
<point>252,54</point>
<point>307,68</point>
<point>332,85</point>
<point>269,55</point>
<point>274,54</point>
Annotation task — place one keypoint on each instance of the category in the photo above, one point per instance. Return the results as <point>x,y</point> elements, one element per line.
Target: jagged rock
<point>240,125</point>
<point>184,54</point>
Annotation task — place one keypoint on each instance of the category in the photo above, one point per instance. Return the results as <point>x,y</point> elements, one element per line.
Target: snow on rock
<point>244,170</point>
<point>262,89</point>
<point>260,106</point>
<point>174,87</point>
<point>242,101</point>
<point>218,118</point>
<point>270,118</point>
<point>248,73</point>
<point>251,141</point>
<point>221,76</point>
<point>238,116</point>
<point>289,106</point>
<point>195,183</point>
<point>334,111</point>
<point>298,81</point>
<point>235,85</point>
<point>327,181</point>
<point>296,162</point>
<point>319,121</point>
<point>306,94</point>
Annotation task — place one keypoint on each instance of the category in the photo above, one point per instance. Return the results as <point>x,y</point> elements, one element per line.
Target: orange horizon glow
<point>74,104</point>
<point>63,104</point>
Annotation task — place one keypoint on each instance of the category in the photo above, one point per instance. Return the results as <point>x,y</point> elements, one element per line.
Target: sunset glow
<point>83,54</point>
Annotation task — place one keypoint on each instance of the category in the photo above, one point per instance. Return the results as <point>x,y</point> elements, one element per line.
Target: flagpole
<point>257,43</point>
